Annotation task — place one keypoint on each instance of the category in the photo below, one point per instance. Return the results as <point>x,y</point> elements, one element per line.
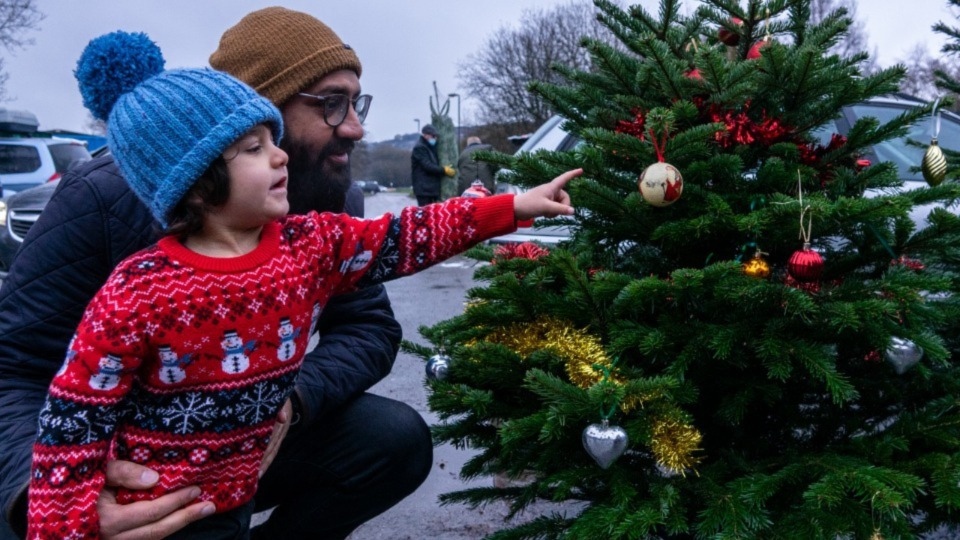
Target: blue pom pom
<point>112,65</point>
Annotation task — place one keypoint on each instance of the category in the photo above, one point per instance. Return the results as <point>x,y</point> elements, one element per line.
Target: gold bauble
<point>934,164</point>
<point>757,267</point>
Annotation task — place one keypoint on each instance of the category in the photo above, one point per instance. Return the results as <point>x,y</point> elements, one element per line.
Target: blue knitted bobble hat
<point>164,128</point>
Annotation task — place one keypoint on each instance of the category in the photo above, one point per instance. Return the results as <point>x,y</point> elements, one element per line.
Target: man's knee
<point>402,434</point>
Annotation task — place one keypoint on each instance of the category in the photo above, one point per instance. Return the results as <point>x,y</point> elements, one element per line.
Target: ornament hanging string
<point>659,143</point>
<point>935,118</point>
<point>804,210</point>
<point>766,26</point>
<point>607,413</point>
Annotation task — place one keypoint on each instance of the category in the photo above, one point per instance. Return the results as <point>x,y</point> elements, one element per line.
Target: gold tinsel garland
<point>674,443</point>
<point>585,358</point>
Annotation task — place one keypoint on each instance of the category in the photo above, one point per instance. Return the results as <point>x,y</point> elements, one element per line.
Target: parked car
<point>18,213</point>
<point>369,186</point>
<point>29,158</point>
<point>551,136</point>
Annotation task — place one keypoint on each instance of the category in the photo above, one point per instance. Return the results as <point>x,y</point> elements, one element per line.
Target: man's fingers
<point>168,525</point>
<point>130,475</point>
<point>151,519</point>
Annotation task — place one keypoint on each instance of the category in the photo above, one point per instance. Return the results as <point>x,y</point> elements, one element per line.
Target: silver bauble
<point>604,443</point>
<point>903,354</point>
<point>437,367</point>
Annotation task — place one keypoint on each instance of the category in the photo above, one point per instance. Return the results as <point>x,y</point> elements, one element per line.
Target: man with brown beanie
<point>339,456</point>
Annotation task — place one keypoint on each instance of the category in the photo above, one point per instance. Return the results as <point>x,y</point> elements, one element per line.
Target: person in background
<point>470,169</point>
<point>353,203</point>
<point>426,171</point>
<point>184,357</point>
<point>340,456</point>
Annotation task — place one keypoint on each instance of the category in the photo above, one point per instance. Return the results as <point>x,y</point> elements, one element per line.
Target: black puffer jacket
<point>92,223</point>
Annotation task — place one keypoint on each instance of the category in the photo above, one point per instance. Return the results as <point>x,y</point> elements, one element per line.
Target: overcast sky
<point>404,45</point>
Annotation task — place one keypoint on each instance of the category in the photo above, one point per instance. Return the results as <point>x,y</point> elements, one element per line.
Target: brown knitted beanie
<point>280,52</point>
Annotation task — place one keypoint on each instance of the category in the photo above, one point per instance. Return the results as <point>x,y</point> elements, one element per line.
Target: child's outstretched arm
<point>548,200</point>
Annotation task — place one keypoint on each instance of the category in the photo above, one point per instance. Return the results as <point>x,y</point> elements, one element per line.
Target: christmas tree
<point>745,345</point>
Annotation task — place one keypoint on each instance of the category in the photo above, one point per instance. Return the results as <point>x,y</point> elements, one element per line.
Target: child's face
<point>258,180</point>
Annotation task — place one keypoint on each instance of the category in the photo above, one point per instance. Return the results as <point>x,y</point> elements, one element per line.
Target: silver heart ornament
<point>903,354</point>
<point>604,443</point>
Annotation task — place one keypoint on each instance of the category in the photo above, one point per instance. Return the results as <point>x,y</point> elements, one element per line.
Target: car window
<point>18,159</point>
<point>897,150</point>
<point>65,155</point>
<point>549,136</point>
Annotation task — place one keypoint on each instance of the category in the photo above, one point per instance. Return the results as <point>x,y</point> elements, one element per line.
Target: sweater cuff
<point>495,215</point>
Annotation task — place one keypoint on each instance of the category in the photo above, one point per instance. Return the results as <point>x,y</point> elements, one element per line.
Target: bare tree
<point>946,75</point>
<point>16,18</point>
<point>930,76</point>
<point>856,40</point>
<point>498,75</point>
<point>922,68</point>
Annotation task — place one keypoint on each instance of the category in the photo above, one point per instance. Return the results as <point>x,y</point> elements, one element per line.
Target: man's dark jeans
<point>344,469</point>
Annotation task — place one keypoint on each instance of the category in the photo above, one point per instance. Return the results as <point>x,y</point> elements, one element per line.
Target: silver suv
<point>905,156</point>
<point>26,162</point>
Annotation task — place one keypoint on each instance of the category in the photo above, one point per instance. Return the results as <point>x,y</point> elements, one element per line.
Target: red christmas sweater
<point>182,362</point>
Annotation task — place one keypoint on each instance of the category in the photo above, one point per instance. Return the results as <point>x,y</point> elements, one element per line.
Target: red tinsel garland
<point>524,250</point>
<point>740,129</point>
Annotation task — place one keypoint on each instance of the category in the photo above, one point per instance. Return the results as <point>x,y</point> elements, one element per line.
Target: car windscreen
<point>18,159</point>
<point>904,155</point>
<point>68,154</point>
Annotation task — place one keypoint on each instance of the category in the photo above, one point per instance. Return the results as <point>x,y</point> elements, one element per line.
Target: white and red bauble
<point>805,264</point>
<point>661,184</point>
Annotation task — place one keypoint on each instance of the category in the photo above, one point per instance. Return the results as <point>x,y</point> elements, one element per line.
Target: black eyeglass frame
<point>342,109</point>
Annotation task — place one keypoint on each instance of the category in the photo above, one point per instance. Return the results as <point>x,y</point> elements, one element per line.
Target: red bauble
<point>805,265</point>
<point>476,191</point>
<point>755,49</point>
<point>694,74</point>
<point>727,37</point>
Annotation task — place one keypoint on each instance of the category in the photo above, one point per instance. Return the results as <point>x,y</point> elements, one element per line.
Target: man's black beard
<point>312,184</point>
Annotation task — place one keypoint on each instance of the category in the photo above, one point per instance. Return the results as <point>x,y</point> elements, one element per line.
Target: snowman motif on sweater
<point>107,376</point>
<point>171,365</point>
<point>288,347</point>
<point>235,359</point>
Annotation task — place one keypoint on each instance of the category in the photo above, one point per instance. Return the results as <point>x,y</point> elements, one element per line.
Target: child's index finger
<point>562,180</point>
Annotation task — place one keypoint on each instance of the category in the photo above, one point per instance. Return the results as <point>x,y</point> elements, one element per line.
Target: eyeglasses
<point>335,107</point>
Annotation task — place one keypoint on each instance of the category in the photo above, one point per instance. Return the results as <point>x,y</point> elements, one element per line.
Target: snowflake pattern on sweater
<point>182,362</point>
